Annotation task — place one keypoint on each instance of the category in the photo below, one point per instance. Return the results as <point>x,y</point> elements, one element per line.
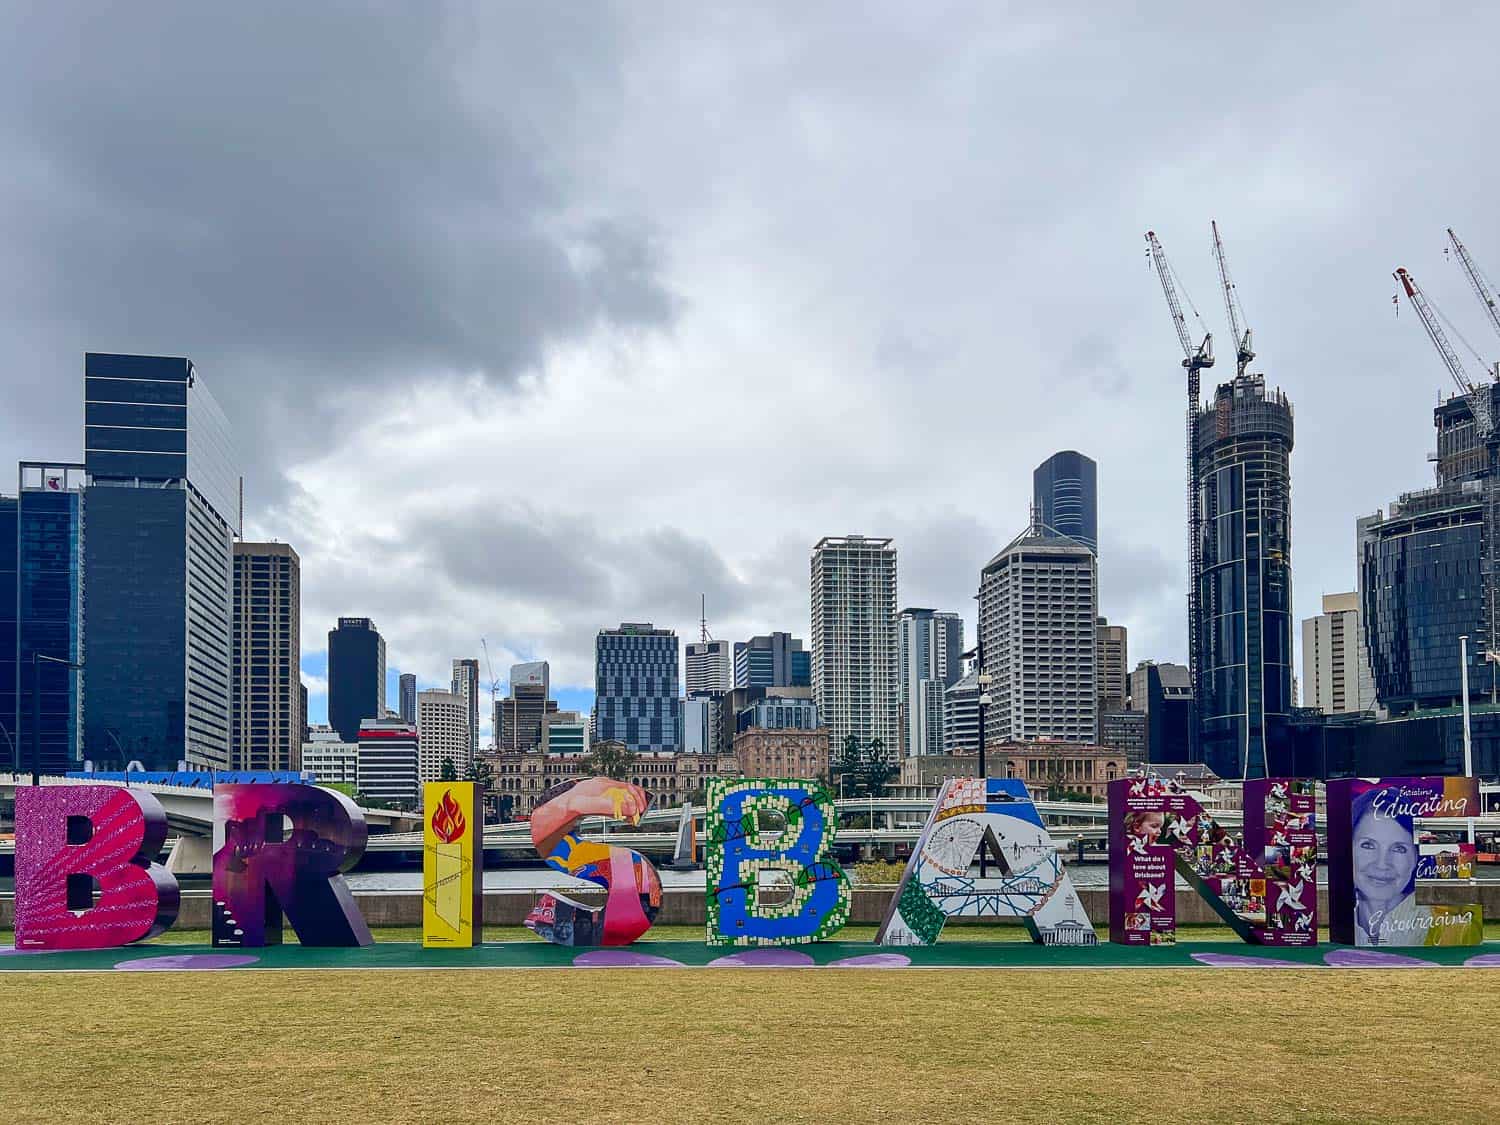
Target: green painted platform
<point>670,954</point>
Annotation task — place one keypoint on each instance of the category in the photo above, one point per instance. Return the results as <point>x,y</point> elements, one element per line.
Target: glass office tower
<point>49,616</point>
<point>635,687</point>
<point>356,676</point>
<point>162,511</point>
<point>1245,581</point>
<point>1065,496</point>
<point>1423,565</point>
<point>10,511</point>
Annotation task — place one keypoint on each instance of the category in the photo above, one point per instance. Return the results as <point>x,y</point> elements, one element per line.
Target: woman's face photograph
<point>1385,858</point>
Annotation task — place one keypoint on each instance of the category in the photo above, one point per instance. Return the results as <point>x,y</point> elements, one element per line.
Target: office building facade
<point>1330,656</point>
<point>1244,581</point>
<point>776,712</point>
<point>1164,694</point>
<point>443,734</point>
<point>961,715</point>
<point>929,660</point>
<point>782,752</point>
<point>854,675</point>
<point>1111,659</point>
<point>406,696</point>
<point>266,721</point>
<point>330,761</point>
<point>709,666</point>
<point>1125,731</point>
<point>565,732</point>
<point>521,715</point>
<point>466,685</point>
<point>636,687</point>
<point>389,762</point>
<point>1065,497</point>
<point>1038,607</point>
<point>162,510</point>
<point>356,675</point>
<point>10,513</point>
<point>44,552</point>
<point>772,660</point>
<point>1425,571</point>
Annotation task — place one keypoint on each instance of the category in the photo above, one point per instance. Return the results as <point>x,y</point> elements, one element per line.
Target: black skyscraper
<point>356,675</point>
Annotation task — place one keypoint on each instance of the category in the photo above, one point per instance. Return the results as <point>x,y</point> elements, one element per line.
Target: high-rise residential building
<point>1244,583</point>
<point>265,730</point>
<point>1330,655</point>
<point>43,554</point>
<point>565,732</point>
<point>1164,694</point>
<point>356,675</point>
<point>853,586</point>
<point>1364,529</point>
<point>520,716</point>
<point>443,734</point>
<point>710,667</point>
<point>466,684</point>
<point>772,660</point>
<point>1065,497</point>
<point>961,715</point>
<point>407,697</point>
<point>1426,568</point>
<point>636,687</point>
<point>388,767</point>
<point>1038,607</point>
<point>1111,664</point>
<point>929,660</point>
<point>162,506</point>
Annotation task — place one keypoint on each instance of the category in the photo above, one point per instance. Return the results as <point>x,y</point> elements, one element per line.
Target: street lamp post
<point>36,709</point>
<point>983,682</point>
<point>1463,671</point>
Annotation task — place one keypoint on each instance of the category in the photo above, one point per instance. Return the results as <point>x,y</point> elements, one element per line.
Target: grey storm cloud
<point>309,200</point>
<point>537,318</point>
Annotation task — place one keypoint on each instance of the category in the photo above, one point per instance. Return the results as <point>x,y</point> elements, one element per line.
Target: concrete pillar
<point>191,855</point>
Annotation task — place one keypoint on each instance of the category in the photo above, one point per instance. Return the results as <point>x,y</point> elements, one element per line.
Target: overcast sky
<point>532,322</point>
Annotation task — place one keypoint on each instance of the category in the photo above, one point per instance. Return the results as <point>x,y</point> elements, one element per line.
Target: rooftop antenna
<point>703,634</point>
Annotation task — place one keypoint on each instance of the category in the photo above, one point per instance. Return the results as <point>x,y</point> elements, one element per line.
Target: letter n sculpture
<point>1025,880</point>
<point>1374,861</point>
<point>772,878</point>
<point>1266,889</point>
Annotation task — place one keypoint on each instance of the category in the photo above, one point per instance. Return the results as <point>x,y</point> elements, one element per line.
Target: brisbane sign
<point>86,877</point>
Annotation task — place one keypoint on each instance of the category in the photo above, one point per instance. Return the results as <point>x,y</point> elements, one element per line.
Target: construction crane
<point>1243,352</point>
<point>1477,394</point>
<point>1194,361</point>
<point>494,687</point>
<point>1480,284</point>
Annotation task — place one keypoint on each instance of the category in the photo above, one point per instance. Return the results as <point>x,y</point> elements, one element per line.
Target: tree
<point>863,769</point>
<point>448,773</point>
<point>481,773</point>
<point>607,759</point>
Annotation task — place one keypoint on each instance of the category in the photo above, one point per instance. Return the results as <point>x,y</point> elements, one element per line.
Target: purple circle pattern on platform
<point>197,962</point>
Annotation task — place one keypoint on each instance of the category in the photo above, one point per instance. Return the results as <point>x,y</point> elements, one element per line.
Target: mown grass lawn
<point>749,1045</point>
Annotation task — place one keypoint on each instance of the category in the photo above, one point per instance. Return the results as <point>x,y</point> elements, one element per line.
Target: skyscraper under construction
<point>1243,576</point>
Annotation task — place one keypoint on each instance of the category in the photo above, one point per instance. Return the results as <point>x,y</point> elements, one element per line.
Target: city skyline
<point>616,293</point>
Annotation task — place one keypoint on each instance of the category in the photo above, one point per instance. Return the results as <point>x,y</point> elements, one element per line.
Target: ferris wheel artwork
<point>1025,878</point>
